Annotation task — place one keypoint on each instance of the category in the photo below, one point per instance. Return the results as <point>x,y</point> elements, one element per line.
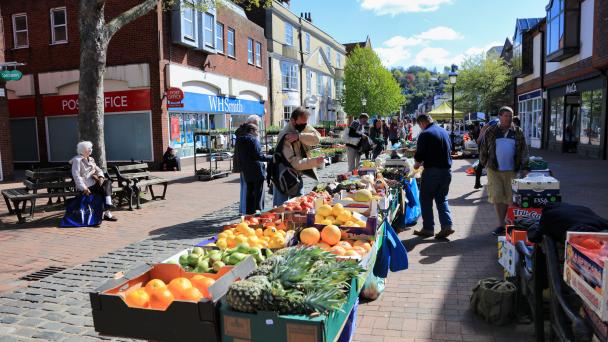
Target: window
<point>231,42</point>
<point>328,50</point>
<point>289,75</point>
<point>563,27</point>
<point>20,34</point>
<point>250,51</point>
<point>288,34</point>
<point>188,21</point>
<point>287,113</point>
<point>338,61</point>
<point>530,113</point>
<point>219,37</point>
<point>59,28</point>
<point>208,34</point>
<point>307,42</point>
<point>591,116</point>
<point>308,82</point>
<point>556,127</point>
<point>339,87</point>
<point>319,84</point>
<point>258,54</point>
<point>555,26</point>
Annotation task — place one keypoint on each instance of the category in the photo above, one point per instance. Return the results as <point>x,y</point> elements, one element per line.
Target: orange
<point>362,251</point>
<point>364,245</point>
<point>323,246</point>
<point>337,250</point>
<point>344,245</point>
<point>331,235</point>
<point>352,252</point>
<point>138,298</point>
<point>202,283</point>
<point>192,294</point>
<point>161,298</point>
<point>155,284</point>
<point>178,287</point>
<point>310,236</point>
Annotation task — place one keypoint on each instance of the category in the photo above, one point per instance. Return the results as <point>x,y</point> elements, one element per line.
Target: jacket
<point>487,149</point>
<point>434,148</point>
<point>242,130</point>
<point>376,136</point>
<point>83,170</point>
<point>248,153</point>
<point>355,132</point>
<point>309,138</point>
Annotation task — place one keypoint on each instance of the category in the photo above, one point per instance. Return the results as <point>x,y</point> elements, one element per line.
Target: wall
<point>538,50</point>
<point>5,138</point>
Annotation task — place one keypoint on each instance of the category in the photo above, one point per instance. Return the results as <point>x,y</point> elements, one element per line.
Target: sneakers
<point>423,233</point>
<point>499,231</point>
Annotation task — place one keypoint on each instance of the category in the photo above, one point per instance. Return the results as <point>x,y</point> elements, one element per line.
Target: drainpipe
<point>544,137</point>
<point>605,142</point>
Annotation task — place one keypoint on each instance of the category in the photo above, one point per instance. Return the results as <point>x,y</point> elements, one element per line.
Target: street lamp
<point>364,103</point>
<point>453,76</point>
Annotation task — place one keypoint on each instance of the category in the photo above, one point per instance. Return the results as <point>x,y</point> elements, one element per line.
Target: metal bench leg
<point>151,189</point>
<point>138,195</point>
<point>32,208</point>
<point>19,210</point>
<point>11,211</point>
<point>164,190</point>
<point>129,192</point>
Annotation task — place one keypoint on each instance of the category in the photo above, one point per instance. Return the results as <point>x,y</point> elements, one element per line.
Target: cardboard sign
<point>114,102</point>
<point>514,212</point>
<point>301,333</point>
<point>237,327</point>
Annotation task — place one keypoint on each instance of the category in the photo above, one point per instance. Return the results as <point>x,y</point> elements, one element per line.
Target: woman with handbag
<point>292,157</point>
<point>375,134</point>
<point>352,138</point>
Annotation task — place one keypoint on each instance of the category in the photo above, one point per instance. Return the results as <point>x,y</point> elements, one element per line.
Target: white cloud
<point>430,56</point>
<point>394,7</point>
<point>440,33</point>
<point>393,56</point>
<point>401,41</point>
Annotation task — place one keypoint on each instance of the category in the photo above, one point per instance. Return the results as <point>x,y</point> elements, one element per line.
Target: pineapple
<point>246,295</point>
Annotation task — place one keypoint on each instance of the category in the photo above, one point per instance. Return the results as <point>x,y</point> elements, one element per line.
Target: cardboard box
<point>515,212</point>
<point>270,326</point>
<point>586,273</point>
<point>535,185</point>
<point>507,256</point>
<point>540,201</point>
<point>181,321</point>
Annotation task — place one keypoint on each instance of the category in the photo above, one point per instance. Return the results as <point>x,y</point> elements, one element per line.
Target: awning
<point>444,112</point>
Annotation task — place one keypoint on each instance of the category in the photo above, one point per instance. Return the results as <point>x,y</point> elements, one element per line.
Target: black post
<point>452,133</point>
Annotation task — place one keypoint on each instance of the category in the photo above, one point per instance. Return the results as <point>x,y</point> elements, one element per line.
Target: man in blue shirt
<point>434,153</point>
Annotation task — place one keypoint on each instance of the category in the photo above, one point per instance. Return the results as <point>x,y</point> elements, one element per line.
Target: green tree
<point>365,77</point>
<point>483,84</point>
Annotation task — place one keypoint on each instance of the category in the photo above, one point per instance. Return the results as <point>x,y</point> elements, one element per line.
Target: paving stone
<point>8,339</point>
<point>72,329</point>
<point>32,322</point>
<point>9,319</point>
<point>25,332</point>
<point>54,316</point>
<point>49,335</point>
<point>11,310</point>
<point>56,326</point>
<point>79,339</point>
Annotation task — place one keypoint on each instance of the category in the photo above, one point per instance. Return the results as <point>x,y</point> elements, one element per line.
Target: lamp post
<point>453,76</point>
<point>364,103</point>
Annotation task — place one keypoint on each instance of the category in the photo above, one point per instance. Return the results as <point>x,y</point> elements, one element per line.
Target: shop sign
<point>114,102</point>
<point>204,103</point>
<point>10,75</point>
<point>22,108</point>
<point>174,98</point>
<point>571,88</point>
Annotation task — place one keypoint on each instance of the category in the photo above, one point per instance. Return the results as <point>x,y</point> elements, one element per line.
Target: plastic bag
<point>373,287</point>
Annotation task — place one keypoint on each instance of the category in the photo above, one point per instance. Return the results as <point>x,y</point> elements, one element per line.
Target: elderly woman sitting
<point>89,178</point>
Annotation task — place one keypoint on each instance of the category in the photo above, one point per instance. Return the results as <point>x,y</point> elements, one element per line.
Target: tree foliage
<point>483,84</point>
<point>417,84</point>
<point>365,77</point>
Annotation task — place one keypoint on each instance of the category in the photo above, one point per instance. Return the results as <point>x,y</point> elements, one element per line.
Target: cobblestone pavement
<point>428,302</point>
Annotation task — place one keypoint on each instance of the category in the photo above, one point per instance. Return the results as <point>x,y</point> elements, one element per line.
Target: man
<point>479,140</point>
<point>356,131</point>
<point>299,138</point>
<point>241,131</point>
<point>434,153</point>
<point>503,152</point>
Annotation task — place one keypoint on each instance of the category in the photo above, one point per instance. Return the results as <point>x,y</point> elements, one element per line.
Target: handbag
<point>348,140</point>
<point>392,255</point>
<point>83,211</point>
<point>285,177</point>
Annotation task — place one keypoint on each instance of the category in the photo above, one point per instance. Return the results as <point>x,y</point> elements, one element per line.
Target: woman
<point>377,137</point>
<point>394,132</point>
<point>251,163</point>
<point>170,160</point>
<point>89,178</point>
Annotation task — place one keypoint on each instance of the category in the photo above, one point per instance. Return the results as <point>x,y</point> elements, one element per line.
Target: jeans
<point>478,173</point>
<point>243,196</point>
<point>435,186</point>
<point>278,198</point>
<point>254,197</point>
<point>354,157</point>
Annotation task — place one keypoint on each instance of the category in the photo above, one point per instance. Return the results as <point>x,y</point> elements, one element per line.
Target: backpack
<point>494,300</point>
<point>282,174</point>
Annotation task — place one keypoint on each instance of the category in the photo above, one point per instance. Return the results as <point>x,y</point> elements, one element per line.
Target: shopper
<point>503,153</point>
<point>253,171</point>
<point>90,179</point>
<point>170,161</point>
<point>434,153</point>
<point>299,137</point>
<point>355,133</point>
<point>385,130</point>
<point>241,131</point>
<point>394,133</point>
<point>479,168</point>
<point>375,134</point>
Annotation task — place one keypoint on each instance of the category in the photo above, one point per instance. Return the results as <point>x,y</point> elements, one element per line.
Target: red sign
<point>22,108</point>
<point>515,212</point>
<point>174,98</point>
<point>114,102</point>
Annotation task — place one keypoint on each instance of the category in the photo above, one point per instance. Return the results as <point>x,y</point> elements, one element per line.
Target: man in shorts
<point>504,153</point>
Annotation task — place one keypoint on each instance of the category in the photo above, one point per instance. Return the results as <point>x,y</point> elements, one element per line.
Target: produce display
<point>336,215</point>
<point>306,202</point>
<point>296,280</point>
<point>202,260</point>
<point>368,164</point>
<point>272,236</point>
<point>158,295</point>
<point>330,239</point>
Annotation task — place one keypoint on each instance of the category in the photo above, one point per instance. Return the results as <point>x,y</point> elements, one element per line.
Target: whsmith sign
<point>203,103</point>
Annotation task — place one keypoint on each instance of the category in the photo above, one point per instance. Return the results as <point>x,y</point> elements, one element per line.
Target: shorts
<point>499,186</point>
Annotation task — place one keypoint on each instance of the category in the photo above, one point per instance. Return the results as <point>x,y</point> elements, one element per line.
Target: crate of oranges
<point>163,302</point>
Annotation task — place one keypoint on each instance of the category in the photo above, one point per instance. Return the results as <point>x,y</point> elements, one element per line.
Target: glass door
<point>571,128</point>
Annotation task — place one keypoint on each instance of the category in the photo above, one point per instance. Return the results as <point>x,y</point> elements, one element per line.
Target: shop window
<point>24,140</point>
<point>231,42</point>
<point>258,54</point>
<point>591,115</point>
<point>20,32</point>
<point>250,51</point>
<point>556,124</point>
<point>289,75</point>
<point>288,34</point>
<point>181,133</point>
<point>563,29</point>
<point>307,42</point>
<point>219,37</point>
<point>59,27</point>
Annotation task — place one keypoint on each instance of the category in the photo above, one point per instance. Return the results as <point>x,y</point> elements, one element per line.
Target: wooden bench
<point>57,182</point>
<point>135,178</point>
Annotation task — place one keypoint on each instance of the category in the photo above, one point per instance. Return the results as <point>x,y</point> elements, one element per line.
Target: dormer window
<point>523,54</point>
<point>563,31</point>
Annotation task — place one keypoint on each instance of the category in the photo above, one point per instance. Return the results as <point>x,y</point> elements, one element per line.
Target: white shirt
<point>83,170</point>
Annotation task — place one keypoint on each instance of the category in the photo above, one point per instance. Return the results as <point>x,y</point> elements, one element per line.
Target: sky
<point>430,33</point>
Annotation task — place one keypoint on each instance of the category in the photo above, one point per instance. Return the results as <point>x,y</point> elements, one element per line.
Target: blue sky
<point>421,32</point>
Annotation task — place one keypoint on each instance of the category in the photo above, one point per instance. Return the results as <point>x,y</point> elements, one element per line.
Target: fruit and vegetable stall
<point>293,273</point>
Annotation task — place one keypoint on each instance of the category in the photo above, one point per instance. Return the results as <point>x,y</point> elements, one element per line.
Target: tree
<point>365,77</point>
<point>95,35</point>
<point>483,84</point>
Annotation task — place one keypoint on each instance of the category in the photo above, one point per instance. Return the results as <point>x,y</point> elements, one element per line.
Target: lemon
<point>222,235</point>
<point>270,231</point>
<point>222,243</point>
<point>344,217</point>
<point>324,210</point>
<point>242,227</point>
<point>241,238</point>
<point>350,224</point>
<point>326,222</point>
<point>319,218</point>
<point>253,239</point>
<point>231,241</point>
<point>250,232</point>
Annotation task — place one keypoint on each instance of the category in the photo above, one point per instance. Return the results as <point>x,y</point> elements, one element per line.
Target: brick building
<point>215,58</point>
<point>6,165</point>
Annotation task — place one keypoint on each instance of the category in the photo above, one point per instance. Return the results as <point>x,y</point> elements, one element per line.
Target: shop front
<point>24,130</point>
<point>530,107</point>
<point>127,126</point>
<point>577,118</point>
<point>203,112</point>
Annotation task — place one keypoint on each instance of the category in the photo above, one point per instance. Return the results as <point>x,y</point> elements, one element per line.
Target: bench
<point>135,178</point>
<point>57,182</point>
